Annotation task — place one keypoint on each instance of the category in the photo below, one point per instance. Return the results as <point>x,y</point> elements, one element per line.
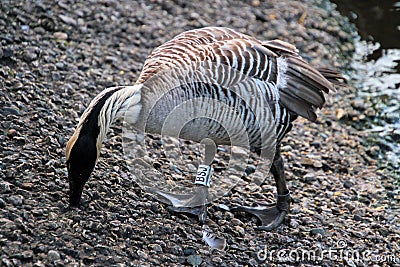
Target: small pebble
<point>217,260</point>
<point>27,254</point>
<point>60,65</point>
<point>253,262</point>
<point>2,203</point>
<point>309,177</point>
<point>191,167</point>
<point>16,200</point>
<point>5,188</point>
<point>25,28</point>
<point>60,35</point>
<point>189,251</point>
<point>347,184</point>
<point>53,255</point>
<point>29,55</point>
<point>194,260</point>
<point>374,151</point>
<point>27,185</point>
<point>294,223</point>
<point>143,255</point>
<point>316,144</point>
<point>224,207</point>
<point>8,110</point>
<point>340,113</point>
<point>238,229</point>
<point>11,133</point>
<point>68,19</point>
<point>317,164</point>
<point>7,53</point>
<point>157,248</point>
<point>316,231</point>
<point>235,222</point>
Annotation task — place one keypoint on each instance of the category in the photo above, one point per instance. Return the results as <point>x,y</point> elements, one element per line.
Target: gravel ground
<point>56,55</point>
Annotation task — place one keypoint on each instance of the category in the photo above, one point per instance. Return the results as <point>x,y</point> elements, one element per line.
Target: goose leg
<point>197,203</point>
<point>272,217</point>
<point>202,183</point>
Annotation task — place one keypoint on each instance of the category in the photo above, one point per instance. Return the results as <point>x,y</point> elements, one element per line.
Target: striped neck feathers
<point>103,110</point>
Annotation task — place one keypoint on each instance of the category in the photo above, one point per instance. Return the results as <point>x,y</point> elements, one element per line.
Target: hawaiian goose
<point>270,77</point>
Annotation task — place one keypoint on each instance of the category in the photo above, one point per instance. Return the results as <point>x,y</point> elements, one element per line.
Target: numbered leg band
<point>203,177</point>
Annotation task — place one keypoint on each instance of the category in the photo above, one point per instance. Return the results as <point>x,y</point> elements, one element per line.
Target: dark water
<point>376,20</point>
<point>376,71</point>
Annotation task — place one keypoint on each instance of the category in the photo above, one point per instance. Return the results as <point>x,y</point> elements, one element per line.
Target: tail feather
<point>298,106</point>
<point>306,85</point>
<point>335,77</point>
<point>300,89</point>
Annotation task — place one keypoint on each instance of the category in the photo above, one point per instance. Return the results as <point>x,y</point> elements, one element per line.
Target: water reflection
<point>377,69</point>
<point>377,82</point>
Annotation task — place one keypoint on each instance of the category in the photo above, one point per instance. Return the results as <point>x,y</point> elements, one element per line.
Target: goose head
<point>81,160</point>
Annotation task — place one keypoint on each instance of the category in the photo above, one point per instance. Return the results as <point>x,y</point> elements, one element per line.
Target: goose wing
<point>298,86</point>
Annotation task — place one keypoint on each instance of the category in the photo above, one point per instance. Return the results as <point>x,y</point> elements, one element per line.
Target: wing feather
<point>301,86</point>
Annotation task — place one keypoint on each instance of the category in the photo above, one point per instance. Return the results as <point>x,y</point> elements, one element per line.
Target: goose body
<point>221,84</point>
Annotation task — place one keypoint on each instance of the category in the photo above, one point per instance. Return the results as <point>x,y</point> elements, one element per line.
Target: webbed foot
<point>192,204</point>
<point>270,217</point>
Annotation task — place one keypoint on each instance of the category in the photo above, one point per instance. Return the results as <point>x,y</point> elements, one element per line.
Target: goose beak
<point>75,193</point>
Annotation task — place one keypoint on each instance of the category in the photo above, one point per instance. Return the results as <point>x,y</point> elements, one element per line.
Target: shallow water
<point>376,71</point>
